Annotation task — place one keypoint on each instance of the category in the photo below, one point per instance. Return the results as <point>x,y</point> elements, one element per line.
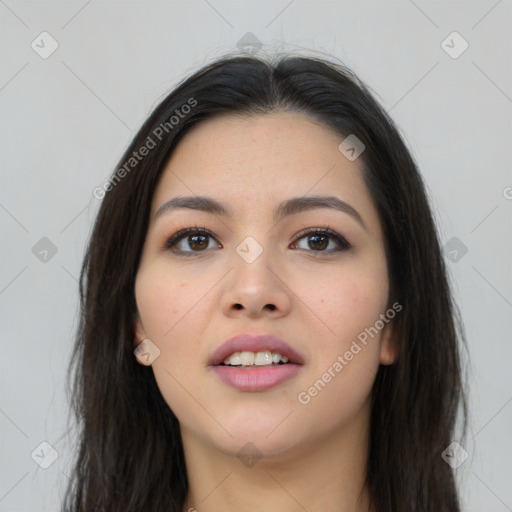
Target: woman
<point>266,318</point>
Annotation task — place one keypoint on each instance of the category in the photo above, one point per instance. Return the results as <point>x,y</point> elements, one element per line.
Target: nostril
<point>272,307</point>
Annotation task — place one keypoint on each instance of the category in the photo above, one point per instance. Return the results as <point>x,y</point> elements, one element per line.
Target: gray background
<point>66,119</point>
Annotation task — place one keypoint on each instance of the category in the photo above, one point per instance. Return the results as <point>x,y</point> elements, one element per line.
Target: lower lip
<point>254,378</point>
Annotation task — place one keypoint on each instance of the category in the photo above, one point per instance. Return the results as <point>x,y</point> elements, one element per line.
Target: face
<point>324,294</point>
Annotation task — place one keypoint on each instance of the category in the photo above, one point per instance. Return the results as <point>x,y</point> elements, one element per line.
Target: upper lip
<point>255,343</point>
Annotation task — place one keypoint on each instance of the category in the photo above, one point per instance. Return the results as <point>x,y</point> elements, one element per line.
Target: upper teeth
<point>258,359</point>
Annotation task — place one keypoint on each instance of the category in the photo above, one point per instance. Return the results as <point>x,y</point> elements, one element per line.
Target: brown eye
<point>197,240</point>
<point>194,241</point>
<point>320,238</point>
<point>318,241</point>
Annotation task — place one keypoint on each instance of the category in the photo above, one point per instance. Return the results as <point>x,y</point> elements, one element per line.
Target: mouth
<point>261,359</point>
<point>255,362</point>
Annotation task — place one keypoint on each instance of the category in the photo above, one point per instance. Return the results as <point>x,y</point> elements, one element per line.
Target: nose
<point>256,288</point>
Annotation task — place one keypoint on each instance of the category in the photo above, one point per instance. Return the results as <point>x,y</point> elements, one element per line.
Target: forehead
<point>289,142</point>
<point>253,162</point>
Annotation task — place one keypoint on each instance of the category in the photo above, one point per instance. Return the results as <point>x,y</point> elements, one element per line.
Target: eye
<point>319,239</point>
<point>194,238</point>
<point>198,238</point>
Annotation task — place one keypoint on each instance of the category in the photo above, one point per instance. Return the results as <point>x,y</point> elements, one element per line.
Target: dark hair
<point>130,456</point>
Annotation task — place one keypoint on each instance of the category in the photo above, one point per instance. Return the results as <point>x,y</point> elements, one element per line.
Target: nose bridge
<point>253,258</point>
<point>254,247</point>
<point>255,238</point>
<point>254,282</point>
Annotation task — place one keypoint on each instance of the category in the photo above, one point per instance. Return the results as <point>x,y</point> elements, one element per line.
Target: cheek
<point>171,312</point>
<point>346,303</point>
<point>346,360</point>
<point>163,299</point>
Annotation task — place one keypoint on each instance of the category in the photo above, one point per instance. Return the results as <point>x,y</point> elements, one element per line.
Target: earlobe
<point>138,330</point>
<point>146,351</point>
<point>138,338</point>
<point>389,346</point>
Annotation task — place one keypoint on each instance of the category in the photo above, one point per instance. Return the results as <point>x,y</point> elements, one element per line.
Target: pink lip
<point>257,378</point>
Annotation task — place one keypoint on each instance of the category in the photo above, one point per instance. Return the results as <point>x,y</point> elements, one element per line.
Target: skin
<point>313,456</point>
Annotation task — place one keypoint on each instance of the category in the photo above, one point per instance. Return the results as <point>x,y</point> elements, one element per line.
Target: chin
<point>269,434</point>
<point>257,420</point>
<point>258,446</point>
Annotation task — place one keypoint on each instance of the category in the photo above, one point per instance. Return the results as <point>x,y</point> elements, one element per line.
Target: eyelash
<point>180,235</point>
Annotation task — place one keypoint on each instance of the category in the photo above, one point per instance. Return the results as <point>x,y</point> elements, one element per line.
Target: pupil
<point>194,237</point>
<point>316,237</point>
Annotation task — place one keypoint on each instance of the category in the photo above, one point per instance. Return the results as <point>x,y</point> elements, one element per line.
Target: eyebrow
<point>285,208</point>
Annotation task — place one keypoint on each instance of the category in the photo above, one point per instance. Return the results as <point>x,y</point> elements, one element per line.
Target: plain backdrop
<point>66,118</point>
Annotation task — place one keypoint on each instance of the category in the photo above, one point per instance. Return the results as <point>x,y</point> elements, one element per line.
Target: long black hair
<point>130,455</point>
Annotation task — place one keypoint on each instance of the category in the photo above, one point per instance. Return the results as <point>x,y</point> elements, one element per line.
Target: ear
<point>389,344</point>
<point>139,336</point>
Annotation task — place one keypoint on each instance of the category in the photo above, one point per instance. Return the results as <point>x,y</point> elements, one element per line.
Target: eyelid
<point>340,240</point>
<point>179,235</point>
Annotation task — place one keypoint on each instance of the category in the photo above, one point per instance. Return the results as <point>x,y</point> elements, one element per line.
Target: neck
<point>328,476</point>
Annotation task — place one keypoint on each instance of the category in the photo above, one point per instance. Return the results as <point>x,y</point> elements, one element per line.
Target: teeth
<point>246,358</point>
<point>254,359</point>
<point>262,358</point>
<point>234,359</point>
